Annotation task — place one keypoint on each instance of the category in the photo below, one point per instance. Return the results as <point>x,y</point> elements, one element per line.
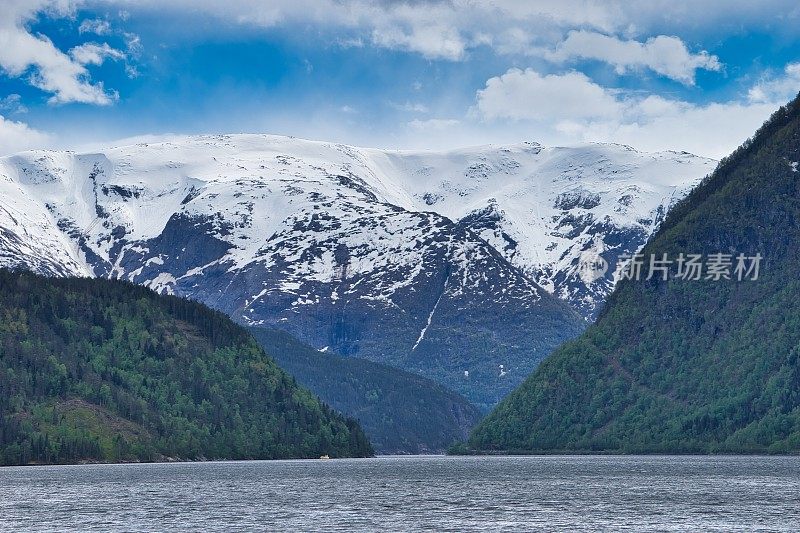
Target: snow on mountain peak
<point>541,208</point>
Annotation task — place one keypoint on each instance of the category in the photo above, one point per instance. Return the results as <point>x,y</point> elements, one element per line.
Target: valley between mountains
<point>463,268</point>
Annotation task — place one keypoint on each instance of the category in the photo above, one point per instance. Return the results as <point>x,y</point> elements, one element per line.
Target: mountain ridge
<point>457,179</point>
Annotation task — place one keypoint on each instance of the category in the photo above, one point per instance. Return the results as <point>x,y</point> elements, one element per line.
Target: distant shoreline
<point>404,456</point>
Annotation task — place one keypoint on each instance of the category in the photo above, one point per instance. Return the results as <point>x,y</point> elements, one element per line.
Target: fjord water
<point>570,493</point>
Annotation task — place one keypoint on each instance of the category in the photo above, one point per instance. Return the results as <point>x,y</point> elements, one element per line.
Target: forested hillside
<point>94,370</point>
<point>687,365</point>
<point>399,411</point>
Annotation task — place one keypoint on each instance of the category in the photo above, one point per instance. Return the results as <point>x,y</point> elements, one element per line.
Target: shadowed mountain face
<point>399,411</point>
<point>447,265</point>
<point>684,365</point>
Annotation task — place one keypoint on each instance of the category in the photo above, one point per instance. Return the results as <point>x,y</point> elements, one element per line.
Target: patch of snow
<point>163,283</point>
<point>427,325</point>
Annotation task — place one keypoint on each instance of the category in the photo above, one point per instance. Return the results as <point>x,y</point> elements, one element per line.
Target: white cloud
<point>96,26</point>
<point>37,58</point>
<point>433,41</point>
<point>434,124</point>
<point>17,136</point>
<point>13,104</point>
<point>600,14</point>
<point>94,54</point>
<point>528,95</point>
<point>569,107</point>
<point>772,89</point>
<point>134,44</point>
<point>410,107</point>
<point>712,130</point>
<point>664,55</point>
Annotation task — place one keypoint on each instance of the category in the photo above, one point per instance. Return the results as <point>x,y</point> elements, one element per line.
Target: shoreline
<point>408,456</point>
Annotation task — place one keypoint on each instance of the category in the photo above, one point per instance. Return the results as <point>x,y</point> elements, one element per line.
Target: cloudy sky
<point>699,76</point>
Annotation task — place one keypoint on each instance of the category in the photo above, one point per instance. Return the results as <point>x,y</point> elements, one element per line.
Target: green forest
<point>681,366</point>
<point>96,370</point>
<point>400,412</point>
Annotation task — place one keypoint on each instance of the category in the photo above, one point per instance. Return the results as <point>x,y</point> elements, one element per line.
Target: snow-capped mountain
<point>448,264</point>
<point>549,211</point>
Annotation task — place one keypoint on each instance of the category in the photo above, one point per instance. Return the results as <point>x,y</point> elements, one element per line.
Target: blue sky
<point>697,76</point>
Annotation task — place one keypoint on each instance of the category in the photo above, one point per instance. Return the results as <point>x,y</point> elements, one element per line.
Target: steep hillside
<point>399,411</point>
<point>94,370</point>
<point>684,365</point>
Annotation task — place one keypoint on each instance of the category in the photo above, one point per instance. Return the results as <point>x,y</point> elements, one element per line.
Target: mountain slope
<point>433,263</point>
<point>684,365</point>
<point>94,370</point>
<point>400,412</point>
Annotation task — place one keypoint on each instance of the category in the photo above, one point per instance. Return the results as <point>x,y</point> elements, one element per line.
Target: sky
<point>698,76</point>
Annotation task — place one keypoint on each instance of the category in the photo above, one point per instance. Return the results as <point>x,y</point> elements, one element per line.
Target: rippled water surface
<point>411,493</point>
